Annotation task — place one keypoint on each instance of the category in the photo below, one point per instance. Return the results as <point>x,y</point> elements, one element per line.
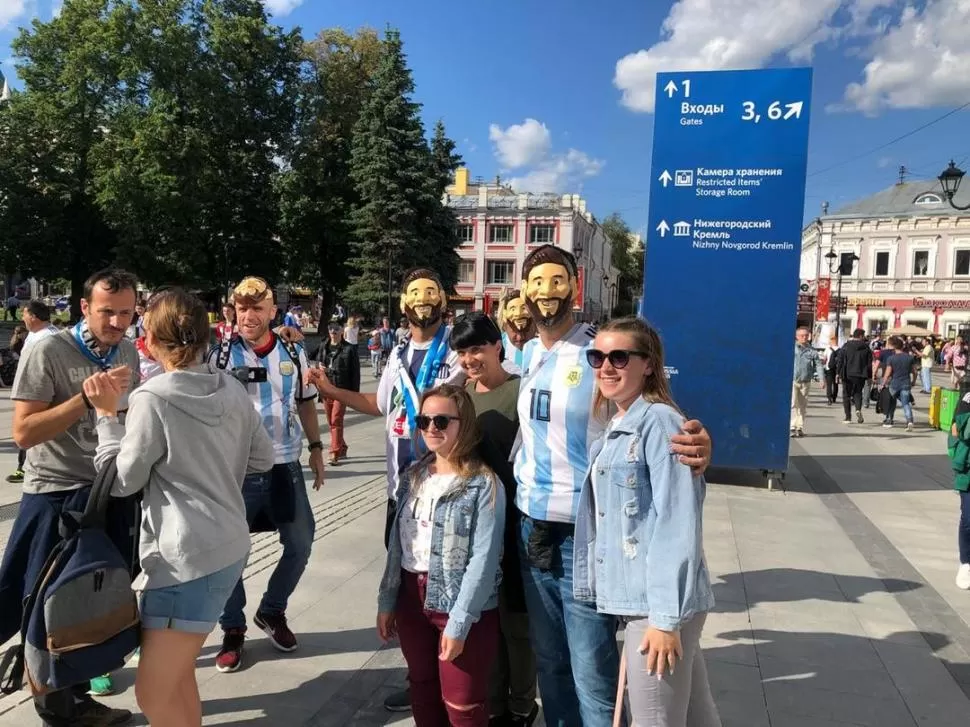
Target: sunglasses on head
<point>440,421</point>
<point>618,358</point>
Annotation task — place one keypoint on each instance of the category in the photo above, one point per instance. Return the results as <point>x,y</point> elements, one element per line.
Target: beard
<point>552,320</point>
<point>416,320</point>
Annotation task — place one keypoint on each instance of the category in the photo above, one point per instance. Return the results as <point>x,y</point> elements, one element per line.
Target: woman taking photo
<point>189,439</point>
<point>640,511</point>
<point>439,593</point>
<point>495,394</point>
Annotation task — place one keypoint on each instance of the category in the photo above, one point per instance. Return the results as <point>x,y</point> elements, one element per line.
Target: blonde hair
<point>646,340</point>
<point>179,325</point>
<point>464,456</point>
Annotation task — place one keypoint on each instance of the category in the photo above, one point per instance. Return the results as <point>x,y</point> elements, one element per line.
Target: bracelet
<point>87,401</point>
<point>316,445</point>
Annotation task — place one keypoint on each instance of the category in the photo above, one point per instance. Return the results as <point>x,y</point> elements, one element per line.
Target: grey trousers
<point>680,700</point>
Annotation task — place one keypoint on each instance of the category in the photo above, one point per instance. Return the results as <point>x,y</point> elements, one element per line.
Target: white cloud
<point>558,173</point>
<point>922,61</point>
<point>722,34</point>
<point>56,7</point>
<point>520,144</point>
<point>914,58</point>
<point>11,10</point>
<point>278,8</point>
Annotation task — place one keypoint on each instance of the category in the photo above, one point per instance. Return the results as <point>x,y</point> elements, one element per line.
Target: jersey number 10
<point>539,409</point>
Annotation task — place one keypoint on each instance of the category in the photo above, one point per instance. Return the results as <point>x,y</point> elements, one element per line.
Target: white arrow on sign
<point>663,228</point>
<point>665,178</point>
<point>671,89</point>
<point>794,109</point>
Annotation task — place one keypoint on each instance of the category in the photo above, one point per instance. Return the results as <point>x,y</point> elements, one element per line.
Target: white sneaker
<point>963,577</point>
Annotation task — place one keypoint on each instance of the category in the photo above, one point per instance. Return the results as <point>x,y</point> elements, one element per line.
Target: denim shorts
<point>193,606</point>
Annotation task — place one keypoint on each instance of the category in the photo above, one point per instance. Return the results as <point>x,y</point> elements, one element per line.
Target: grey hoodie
<point>189,440</point>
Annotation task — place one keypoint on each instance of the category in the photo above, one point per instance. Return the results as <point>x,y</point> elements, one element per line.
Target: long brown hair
<point>464,456</point>
<point>646,340</point>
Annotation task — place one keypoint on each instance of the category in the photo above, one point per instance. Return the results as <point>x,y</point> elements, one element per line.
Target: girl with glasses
<point>640,513</point>
<point>439,593</point>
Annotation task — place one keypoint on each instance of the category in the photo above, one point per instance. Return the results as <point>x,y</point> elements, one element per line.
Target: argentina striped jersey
<point>277,399</point>
<point>557,426</point>
<point>513,355</point>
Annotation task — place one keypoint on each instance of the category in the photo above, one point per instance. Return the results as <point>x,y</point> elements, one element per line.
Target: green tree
<point>399,221</point>
<point>441,226</point>
<point>50,222</point>
<point>627,258</point>
<point>316,191</point>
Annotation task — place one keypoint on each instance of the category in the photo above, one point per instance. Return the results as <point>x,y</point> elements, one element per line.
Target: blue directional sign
<point>723,247</point>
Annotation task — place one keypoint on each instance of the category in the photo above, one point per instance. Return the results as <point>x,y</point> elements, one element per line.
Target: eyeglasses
<point>618,358</point>
<point>440,421</point>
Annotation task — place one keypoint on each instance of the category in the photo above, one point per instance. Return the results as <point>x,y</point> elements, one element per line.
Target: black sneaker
<point>95,714</point>
<point>17,478</point>
<point>399,702</point>
<point>514,720</point>
<point>229,658</point>
<point>274,626</point>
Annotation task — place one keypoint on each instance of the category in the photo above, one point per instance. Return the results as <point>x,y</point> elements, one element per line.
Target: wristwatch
<point>316,445</point>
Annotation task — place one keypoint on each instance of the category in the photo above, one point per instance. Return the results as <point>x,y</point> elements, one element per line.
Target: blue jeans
<point>927,375</point>
<point>905,394</point>
<point>296,538</point>
<point>576,652</point>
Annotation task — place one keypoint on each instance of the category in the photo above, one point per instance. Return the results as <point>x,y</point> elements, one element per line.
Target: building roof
<point>900,200</point>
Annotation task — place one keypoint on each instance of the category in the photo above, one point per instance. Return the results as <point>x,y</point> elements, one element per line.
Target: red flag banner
<point>822,299</point>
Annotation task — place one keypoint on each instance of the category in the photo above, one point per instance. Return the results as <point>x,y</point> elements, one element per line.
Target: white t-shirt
<point>391,403</point>
<point>417,522</point>
<point>34,336</point>
<point>350,334</point>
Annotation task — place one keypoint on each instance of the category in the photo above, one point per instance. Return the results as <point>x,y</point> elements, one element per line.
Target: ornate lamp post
<point>950,182</point>
<point>842,268</point>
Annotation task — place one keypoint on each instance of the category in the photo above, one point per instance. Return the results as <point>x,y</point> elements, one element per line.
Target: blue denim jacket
<point>639,536</point>
<point>466,549</point>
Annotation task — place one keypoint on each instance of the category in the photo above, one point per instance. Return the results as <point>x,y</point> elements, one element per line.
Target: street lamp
<point>842,267</point>
<point>950,181</point>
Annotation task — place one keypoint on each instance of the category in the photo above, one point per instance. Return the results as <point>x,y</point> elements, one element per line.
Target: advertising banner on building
<point>726,200</point>
<point>580,284</point>
<point>824,297</point>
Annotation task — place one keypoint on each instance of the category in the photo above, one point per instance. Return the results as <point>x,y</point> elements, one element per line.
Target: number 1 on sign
<point>686,84</point>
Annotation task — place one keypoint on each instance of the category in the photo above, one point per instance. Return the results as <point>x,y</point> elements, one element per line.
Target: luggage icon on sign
<point>684,178</point>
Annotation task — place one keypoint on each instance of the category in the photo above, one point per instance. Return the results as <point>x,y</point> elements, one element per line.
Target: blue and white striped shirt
<point>557,425</point>
<point>513,356</point>
<point>277,399</point>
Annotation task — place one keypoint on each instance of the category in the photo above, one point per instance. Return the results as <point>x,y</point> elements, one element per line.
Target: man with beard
<point>517,328</point>
<point>576,651</point>
<point>424,360</point>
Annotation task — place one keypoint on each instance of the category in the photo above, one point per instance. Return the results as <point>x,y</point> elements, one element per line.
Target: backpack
<point>224,353</point>
<point>81,618</point>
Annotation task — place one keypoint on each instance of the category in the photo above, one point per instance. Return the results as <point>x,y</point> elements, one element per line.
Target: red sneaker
<point>274,626</point>
<point>229,658</point>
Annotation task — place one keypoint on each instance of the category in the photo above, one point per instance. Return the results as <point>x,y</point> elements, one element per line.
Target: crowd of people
<point>544,492</point>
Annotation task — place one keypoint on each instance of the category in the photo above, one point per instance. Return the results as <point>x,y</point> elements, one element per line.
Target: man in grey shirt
<point>55,423</point>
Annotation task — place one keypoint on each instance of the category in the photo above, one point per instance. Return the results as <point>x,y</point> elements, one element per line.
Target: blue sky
<point>557,96</point>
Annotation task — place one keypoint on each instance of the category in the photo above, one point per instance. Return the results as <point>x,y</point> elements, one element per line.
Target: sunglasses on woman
<point>440,421</point>
<point>618,358</point>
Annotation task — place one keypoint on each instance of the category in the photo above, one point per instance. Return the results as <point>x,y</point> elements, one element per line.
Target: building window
<point>501,272</point>
<point>928,199</point>
<point>466,233</point>
<point>500,234</point>
<point>846,263</point>
<point>961,263</point>
<point>921,263</point>
<point>466,272</point>
<point>882,264</point>
<point>543,235</point>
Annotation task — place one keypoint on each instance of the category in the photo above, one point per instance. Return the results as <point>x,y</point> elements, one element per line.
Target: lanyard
<point>104,362</point>
<point>429,369</point>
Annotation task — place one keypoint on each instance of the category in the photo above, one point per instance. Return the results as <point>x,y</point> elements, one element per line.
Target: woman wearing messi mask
<point>189,439</point>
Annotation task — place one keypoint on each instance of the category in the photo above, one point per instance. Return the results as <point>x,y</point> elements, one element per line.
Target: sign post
<point>721,268</point>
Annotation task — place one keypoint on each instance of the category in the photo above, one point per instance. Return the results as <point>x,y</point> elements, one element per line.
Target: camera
<point>250,374</point>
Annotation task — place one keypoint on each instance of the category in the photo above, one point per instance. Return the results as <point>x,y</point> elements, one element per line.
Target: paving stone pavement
<point>836,603</point>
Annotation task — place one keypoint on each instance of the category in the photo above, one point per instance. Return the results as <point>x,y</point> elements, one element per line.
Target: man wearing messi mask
<point>517,326</point>
<point>422,361</point>
<point>575,646</point>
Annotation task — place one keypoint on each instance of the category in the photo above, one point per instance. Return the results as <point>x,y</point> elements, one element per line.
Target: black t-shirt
<point>902,369</point>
